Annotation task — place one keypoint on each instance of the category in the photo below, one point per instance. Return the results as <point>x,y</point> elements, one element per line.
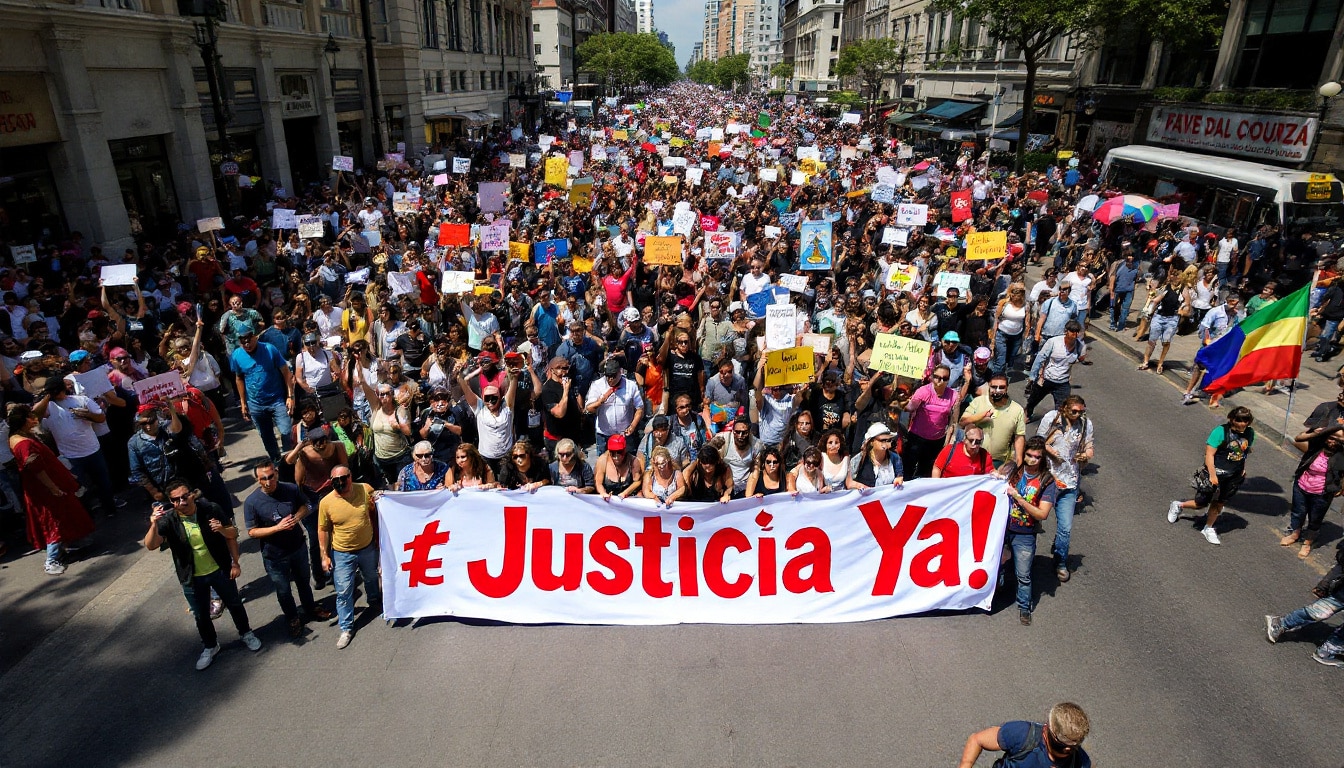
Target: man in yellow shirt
<point>347,533</point>
<point>1003,421</point>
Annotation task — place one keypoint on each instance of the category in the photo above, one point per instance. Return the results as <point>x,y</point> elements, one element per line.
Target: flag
<point>961,205</point>
<point>1264,346</point>
<point>763,119</point>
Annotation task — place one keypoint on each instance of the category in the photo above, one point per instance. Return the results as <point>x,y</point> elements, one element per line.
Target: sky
<point>683,21</point>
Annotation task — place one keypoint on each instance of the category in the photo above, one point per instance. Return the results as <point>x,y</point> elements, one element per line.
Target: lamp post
<point>207,39</point>
<point>1327,91</point>
<point>371,65</point>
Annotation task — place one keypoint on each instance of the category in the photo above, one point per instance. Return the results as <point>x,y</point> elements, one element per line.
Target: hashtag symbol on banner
<point>420,563</point>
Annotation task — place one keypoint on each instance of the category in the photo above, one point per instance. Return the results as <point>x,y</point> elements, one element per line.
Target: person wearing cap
<point>617,473</point>
<point>265,387</point>
<point>877,463</point>
<point>439,425</point>
<point>951,354</point>
<point>282,335</point>
<point>70,420</point>
<point>493,412</point>
<point>316,369</point>
<point>369,217</point>
<point>413,346</point>
<point>978,380</point>
<point>615,401</point>
<point>162,449</point>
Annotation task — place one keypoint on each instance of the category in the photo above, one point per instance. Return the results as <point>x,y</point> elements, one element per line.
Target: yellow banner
<point>557,170</point>
<point>900,355</point>
<point>986,245</point>
<point>663,250</point>
<point>520,251</point>
<point>620,135</point>
<point>788,366</point>
<point>581,193</point>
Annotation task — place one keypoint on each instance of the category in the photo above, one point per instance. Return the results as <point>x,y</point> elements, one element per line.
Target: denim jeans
<point>1023,548</point>
<point>93,474</point>
<point>55,551</point>
<point>344,565</point>
<point>283,570</point>
<point>227,590</point>
<point>1308,508</point>
<point>1006,347</point>
<point>268,419</point>
<point>1058,390</point>
<point>1223,268</point>
<point>1320,611</point>
<point>1063,509</point>
<point>1325,344</point>
<point>309,523</point>
<point>1120,309</point>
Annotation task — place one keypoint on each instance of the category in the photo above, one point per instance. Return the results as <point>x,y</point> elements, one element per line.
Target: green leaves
<point>624,58</point>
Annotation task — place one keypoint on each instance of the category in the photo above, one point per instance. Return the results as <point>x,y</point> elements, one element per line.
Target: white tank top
<point>316,373</point>
<point>1012,319</point>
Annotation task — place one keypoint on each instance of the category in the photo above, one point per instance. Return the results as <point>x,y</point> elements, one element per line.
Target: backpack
<point>1029,745</point>
<point>984,458</point>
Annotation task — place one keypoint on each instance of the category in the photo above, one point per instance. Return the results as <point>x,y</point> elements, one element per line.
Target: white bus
<point>1219,192</point>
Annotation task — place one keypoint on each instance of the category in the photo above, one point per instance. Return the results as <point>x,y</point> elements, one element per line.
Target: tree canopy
<point>728,72</point>
<point>871,61</point>
<point>624,59</point>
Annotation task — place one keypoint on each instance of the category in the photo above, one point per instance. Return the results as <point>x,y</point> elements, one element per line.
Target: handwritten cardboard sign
<point>789,366</point>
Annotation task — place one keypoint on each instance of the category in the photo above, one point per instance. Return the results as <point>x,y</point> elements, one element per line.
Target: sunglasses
<point>266,478</point>
<point>974,441</point>
<point>771,461</point>
<point>424,455</point>
<point>517,456</point>
<point>1032,457</point>
<point>180,499</point>
<point>1057,745</point>
<point>564,454</point>
<point>742,432</point>
<point>939,378</point>
<point>812,463</point>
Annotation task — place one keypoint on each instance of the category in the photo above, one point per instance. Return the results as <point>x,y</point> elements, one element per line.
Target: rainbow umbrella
<point>1135,207</point>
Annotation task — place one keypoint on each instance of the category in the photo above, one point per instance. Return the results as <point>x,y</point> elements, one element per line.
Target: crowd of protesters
<point>595,370</point>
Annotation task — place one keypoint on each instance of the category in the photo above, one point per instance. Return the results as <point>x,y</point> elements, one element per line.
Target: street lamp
<point>331,49</point>
<point>1330,90</point>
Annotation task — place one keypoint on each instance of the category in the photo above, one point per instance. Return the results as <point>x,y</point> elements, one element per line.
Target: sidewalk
<point>1316,383</point>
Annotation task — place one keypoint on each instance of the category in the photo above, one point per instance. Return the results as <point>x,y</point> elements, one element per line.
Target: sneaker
<point>207,656</point>
<point>216,608</point>
<point>1273,628</point>
<point>1187,399</point>
<point>1174,512</point>
<point>1062,573</point>
<point>1328,659</point>
<point>1283,389</point>
<point>1210,535</point>
<point>252,642</point>
<point>54,568</point>
<point>344,640</point>
<point>1025,618</point>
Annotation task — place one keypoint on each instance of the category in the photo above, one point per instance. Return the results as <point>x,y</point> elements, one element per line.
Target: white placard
<point>850,118</point>
<point>798,178</point>
<point>400,283</point>
<point>342,163</point>
<point>883,193</point>
<point>118,274</point>
<point>94,382</point>
<point>959,280</point>
<point>440,165</point>
<point>23,254</point>
<point>599,153</point>
<point>819,342</point>
<point>809,153</point>
<point>768,174</point>
<point>461,164</point>
<point>359,276</point>
<point>459,282</point>
<point>517,160</point>
<point>887,175</point>
<point>210,224</point>
<point>895,236</point>
<point>309,225</point>
<point>795,283</point>
<point>781,326</point>
<point>694,176</point>
<point>905,152</point>
<point>283,218</point>
<point>162,387</point>
<point>683,221</point>
<point>912,215</point>
<point>545,141</point>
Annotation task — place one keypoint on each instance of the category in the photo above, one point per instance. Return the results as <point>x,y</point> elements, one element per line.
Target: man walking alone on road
<point>1057,742</point>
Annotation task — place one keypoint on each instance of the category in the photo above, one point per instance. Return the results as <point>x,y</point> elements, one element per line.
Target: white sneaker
<point>1187,399</point>
<point>1210,535</point>
<point>344,639</point>
<point>54,568</point>
<point>207,656</point>
<point>253,644</point>
<point>1174,512</point>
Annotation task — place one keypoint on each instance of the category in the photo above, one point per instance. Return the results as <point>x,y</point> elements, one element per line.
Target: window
<point>474,8</point>
<point>835,43</point>
<point>536,27</point>
<point>429,24</point>
<point>536,49</point>
<point>453,27</point>
<point>1286,43</point>
<point>835,21</point>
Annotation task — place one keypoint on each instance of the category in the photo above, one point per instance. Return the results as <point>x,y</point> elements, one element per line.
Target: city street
<point>1159,636</point>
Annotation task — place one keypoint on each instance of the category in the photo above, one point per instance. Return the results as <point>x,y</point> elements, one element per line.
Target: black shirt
<point>444,441</point>
<point>827,414</point>
<point>414,350</point>
<point>682,377</point>
<point>552,394</point>
<point>263,510</point>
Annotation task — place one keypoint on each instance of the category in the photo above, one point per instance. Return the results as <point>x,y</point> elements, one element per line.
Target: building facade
<point>644,15</point>
<point>816,44</point>
<point>736,27</point>
<point>553,43</point>
<point>709,35</point>
<point>766,51</point>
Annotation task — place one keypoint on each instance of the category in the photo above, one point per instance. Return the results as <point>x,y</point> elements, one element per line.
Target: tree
<point>1032,26</point>
<point>729,71</point>
<point>871,61</point>
<point>702,71</point>
<point>784,71</point>
<point>624,59</point>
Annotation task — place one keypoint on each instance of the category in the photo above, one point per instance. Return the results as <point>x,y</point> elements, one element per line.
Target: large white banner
<point>1285,138</point>
<point>551,556</point>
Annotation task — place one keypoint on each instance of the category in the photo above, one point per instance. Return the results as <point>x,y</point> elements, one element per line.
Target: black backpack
<point>1029,745</point>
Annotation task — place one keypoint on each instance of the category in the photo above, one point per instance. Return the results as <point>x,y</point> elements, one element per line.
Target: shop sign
<point>1044,100</point>
<point>1281,138</point>
<point>296,96</point>
<point>26,116</point>
<point>228,168</point>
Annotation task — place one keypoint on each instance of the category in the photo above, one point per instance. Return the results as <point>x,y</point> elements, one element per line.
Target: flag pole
<point>1292,385</point>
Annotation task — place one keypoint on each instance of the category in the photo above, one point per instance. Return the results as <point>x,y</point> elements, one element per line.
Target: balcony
<point>286,17</point>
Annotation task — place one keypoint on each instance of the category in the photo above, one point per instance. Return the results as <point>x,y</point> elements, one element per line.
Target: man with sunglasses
<point>274,514</point>
<point>347,531</point>
<point>204,543</point>
<point>1004,421</point>
<point>965,457</point>
<point>1056,743</point>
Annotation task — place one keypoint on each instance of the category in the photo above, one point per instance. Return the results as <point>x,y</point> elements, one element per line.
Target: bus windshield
<point>1324,220</point>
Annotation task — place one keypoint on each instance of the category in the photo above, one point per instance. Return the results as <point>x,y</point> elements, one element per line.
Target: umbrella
<point>923,166</point>
<point>1137,207</point>
<point>1088,203</point>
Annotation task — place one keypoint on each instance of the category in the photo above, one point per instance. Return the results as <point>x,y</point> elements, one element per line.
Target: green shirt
<point>204,562</point>
<point>1257,303</point>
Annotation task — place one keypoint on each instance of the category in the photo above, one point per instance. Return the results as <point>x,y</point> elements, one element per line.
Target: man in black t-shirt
<point>272,514</point>
<point>414,348</point>
<point>561,408</point>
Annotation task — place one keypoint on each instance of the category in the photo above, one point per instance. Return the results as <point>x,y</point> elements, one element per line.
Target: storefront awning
<point>922,126</point>
<point>950,110</point>
<point>900,117</point>
<point>472,118</point>
<point>1011,120</point>
<point>956,134</point>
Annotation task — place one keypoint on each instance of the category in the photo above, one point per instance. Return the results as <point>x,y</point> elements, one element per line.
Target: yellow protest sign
<point>581,193</point>
<point>986,245</point>
<point>663,250</point>
<point>557,170</point>
<point>788,366</point>
<point>620,135</point>
<point>1064,154</point>
<point>900,355</point>
<point>583,264</point>
<point>669,180</point>
<point>677,141</point>
<point>520,251</point>
<point>484,290</point>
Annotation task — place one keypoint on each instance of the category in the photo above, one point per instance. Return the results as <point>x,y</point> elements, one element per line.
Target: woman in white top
<point>360,372</point>
<point>834,460</point>
<point>438,368</point>
<point>296,251</point>
<point>1203,292</point>
<point>1010,321</point>
<point>316,368</point>
<point>493,411</point>
<point>924,320</point>
<point>807,477</point>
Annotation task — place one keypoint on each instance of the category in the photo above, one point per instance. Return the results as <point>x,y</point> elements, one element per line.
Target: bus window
<point>1318,218</point>
<point>1223,214</point>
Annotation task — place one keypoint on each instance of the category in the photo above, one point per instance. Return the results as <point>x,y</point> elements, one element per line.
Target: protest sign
<point>694,176</point>
<point>959,280</point>
<point>440,180</point>
<point>883,193</point>
<point>547,251</point>
<point>986,245</point>
<point>795,283</point>
<point>23,254</point>
<point>118,274</point>
<point>900,355</point>
<point>557,170</point>
<point>683,221</point>
<point>401,283</point>
<point>815,239</point>
<point>576,159</point>
<point>850,118</point>
<point>772,232</point>
<point>309,225</point>
<point>283,218</point>
<point>721,245</point>
<point>405,202</point>
<point>495,237</point>
<point>895,237</point>
<point>492,196</point>
<point>517,160</point>
<point>789,366</point>
<point>461,164</point>
<point>342,163</point>
<point>456,235</point>
<point>781,329</point>
<point>598,153</point>
<point>581,193</point>
<point>94,382</point>
<point>912,215</point>
<point>210,224</point>
<point>819,342</point>
<point>519,251</point>
<point>360,276</point>
<point>662,250</point>
<point>901,278</point>
<point>458,282</point>
<point>165,386</point>
<point>797,178</point>
<point>887,175</point>
<point>768,174</point>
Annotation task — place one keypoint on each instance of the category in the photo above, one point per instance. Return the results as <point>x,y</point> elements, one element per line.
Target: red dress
<point>50,518</point>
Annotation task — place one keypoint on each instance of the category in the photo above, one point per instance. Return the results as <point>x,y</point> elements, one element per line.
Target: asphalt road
<point>1159,636</point>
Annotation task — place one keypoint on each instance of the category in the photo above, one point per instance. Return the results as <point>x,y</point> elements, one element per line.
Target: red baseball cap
<point>616,443</point>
